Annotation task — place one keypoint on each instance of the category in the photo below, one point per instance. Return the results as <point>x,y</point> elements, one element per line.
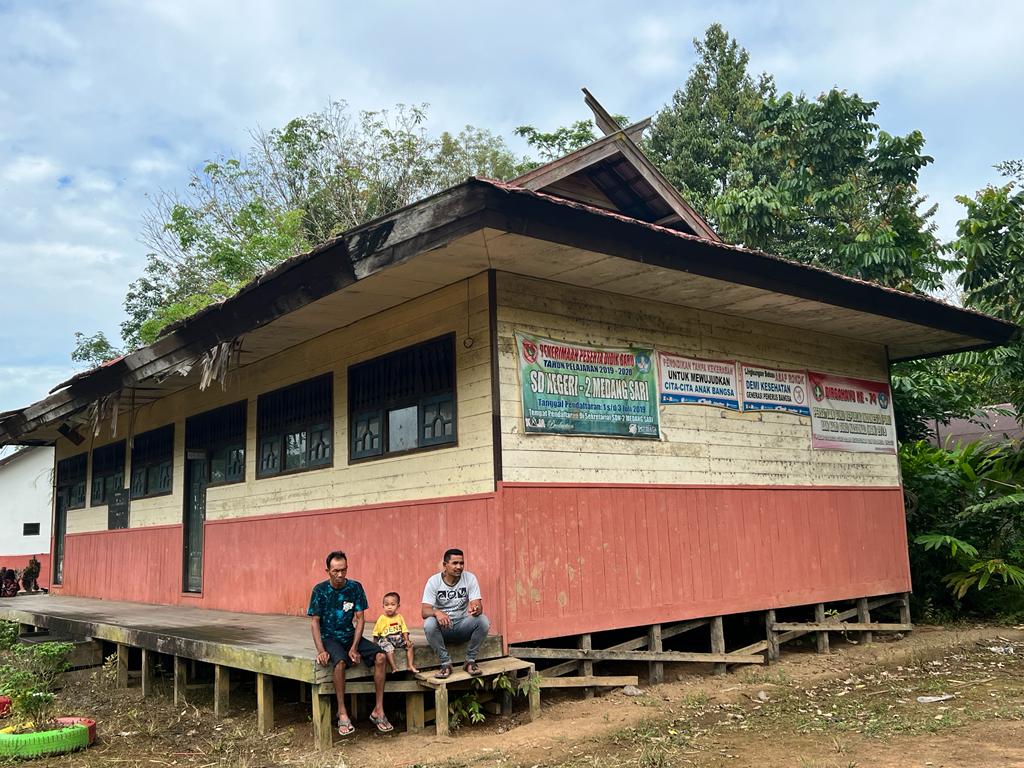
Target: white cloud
<point>29,169</point>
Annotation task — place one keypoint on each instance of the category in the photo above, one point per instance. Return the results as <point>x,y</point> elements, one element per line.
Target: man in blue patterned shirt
<point>336,608</point>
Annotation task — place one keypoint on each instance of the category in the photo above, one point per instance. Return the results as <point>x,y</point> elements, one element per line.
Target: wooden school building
<point>622,420</point>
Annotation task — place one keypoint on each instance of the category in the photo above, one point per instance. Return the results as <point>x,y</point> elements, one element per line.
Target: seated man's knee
<point>430,626</point>
<point>484,622</point>
<point>379,659</point>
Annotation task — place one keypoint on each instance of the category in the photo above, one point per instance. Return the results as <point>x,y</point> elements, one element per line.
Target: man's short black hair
<point>335,555</point>
<point>449,552</point>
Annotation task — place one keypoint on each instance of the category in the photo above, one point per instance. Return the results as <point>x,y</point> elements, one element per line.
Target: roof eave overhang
<point>458,211</point>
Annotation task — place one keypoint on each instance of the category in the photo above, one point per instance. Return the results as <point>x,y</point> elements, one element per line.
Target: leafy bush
<point>965,508</point>
<point>29,678</point>
<point>8,635</point>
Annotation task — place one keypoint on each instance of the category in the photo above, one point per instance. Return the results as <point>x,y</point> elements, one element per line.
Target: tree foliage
<point>295,187</point>
<point>701,140</point>
<point>813,180</point>
<point>965,514</point>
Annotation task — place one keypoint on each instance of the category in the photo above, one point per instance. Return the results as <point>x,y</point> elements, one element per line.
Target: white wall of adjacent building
<point>26,496</point>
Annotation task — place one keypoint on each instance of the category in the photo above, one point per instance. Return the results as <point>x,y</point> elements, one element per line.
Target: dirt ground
<point>857,706</point>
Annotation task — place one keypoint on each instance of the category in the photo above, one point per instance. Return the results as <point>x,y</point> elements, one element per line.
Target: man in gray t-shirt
<point>453,610</point>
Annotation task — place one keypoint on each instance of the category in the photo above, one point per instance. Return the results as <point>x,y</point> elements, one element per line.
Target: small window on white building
<point>30,529</point>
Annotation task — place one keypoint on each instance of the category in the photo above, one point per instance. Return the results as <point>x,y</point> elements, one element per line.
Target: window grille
<point>221,434</point>
<point>153,462</point>
<point>294,427</point>
<point>107,472</point>
<point>30,529</point>
<point>403,401</point>
<point>71,480</point>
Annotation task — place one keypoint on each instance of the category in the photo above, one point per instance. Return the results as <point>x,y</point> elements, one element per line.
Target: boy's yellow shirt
<point>390,625</point>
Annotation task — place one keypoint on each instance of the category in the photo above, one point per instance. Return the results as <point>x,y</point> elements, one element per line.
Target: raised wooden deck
<point>272,646</point>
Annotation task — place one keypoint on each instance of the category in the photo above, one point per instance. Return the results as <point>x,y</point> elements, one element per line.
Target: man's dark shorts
<point>339,651</point>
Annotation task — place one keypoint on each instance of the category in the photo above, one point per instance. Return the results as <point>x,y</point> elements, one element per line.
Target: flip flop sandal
<point>444,672</point>
<point>473,669</point>
<point>345,728</point>
<point>382,723</point>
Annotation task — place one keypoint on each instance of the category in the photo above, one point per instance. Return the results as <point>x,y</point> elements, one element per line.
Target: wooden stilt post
<point>586,667</point>
<point>905,609</point>
<point>264,703</point>
<point>864,617</point>
<point>414,712</point>
<point>303,693</point>
<point>323,732</point>
<point>147,673</point>
<point>771,635</point>
<point>718,642</point>
<point>122,665</point>
<point>221,690</point>
<point>534,693</point>
<point>441,710</point>
<point>656,669</point>
<point>180,679</point>
<point>819,618</point>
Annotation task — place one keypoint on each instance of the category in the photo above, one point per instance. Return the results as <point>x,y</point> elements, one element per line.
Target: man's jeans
<point>472,628</point>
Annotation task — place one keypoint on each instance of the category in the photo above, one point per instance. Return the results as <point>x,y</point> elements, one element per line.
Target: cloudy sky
<point>105,103</point>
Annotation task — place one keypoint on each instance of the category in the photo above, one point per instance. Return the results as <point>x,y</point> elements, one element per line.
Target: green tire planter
<point>53,742</point>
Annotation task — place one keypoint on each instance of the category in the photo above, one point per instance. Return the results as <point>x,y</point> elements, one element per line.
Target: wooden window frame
<point>146,463</point>
<point>300,399</point>
<point>117,470</point>
<point>214,445</point>
<point>388,402</point>
<point>69,476</point>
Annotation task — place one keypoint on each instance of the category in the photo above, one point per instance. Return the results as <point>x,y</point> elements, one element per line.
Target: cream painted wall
<point>699,444</point>
<point>462,469</point>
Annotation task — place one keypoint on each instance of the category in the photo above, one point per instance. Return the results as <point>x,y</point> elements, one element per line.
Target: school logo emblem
<point>883,400</point>
<point>529,351</point>
<point>643,363</point>
<point>819,393</point>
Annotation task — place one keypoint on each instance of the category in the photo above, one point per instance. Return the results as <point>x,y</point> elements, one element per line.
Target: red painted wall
<point>18,562</point>
<point>136,564</point>
<point>552,559</point>
<point>269,564</point>
<point>588,558</point>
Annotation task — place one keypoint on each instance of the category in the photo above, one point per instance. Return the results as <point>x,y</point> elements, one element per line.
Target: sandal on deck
<point>444,672</point>
<point>382,723</point>
<point>473,669</point>
<point>345,727</point>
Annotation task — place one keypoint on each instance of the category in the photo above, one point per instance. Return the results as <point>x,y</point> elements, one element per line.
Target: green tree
<point>702,140</point>
<point>990,242</point>
<point>296,187</point>
<point>829,189</point>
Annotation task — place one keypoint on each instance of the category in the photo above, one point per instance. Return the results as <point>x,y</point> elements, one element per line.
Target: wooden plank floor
<point>266,643</point>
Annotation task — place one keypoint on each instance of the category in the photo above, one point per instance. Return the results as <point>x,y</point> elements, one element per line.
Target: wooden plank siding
<point>699,444</point>
<point>463,469</point>
<point>587,559</point>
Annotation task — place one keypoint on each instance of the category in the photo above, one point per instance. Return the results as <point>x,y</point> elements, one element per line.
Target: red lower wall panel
<point>552,559</point>
<point>18,563</point>
<point>135,564</point>
<point>588,558</point>
<point>269,564</point>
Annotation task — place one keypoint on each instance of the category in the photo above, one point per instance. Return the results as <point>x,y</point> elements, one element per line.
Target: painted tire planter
<point>5,706</point>
<point>88,722</point>
<point>53,742</point>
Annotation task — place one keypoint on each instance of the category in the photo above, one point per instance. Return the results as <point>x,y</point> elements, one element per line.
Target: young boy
<point>390,632</point>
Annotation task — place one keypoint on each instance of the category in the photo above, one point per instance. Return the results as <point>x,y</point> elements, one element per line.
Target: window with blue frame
<point>295,427</point>
<point>153,462</point>
<point>403,401</point>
